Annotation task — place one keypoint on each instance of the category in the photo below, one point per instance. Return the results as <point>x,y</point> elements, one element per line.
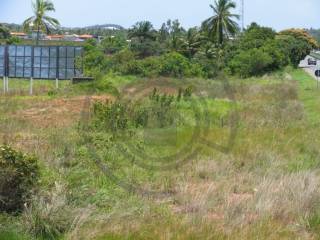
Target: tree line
<point>216,46</point>
<point>197,52</point>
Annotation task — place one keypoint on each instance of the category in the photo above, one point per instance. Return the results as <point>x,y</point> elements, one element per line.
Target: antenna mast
<point>242,15</point>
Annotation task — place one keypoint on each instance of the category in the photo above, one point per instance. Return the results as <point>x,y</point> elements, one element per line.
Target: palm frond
<point>221,24</point>
<point>40,20</point>
<point>26,24</point>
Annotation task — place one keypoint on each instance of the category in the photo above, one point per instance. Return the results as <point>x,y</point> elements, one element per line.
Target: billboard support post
<point>7,85</point>
<point>31,86</point>
<point>4,84</point>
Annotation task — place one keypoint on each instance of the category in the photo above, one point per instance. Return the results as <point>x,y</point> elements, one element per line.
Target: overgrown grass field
<point>110,175</point>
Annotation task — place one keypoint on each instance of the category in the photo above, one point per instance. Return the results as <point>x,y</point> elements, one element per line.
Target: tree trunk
<point>220,34</point>
<point>38,35</point>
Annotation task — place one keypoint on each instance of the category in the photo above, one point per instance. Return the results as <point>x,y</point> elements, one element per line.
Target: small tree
<point>302,35</point>
<point>256,36</point>
<point>143,39</point>
<point>249,63</point>
<point>19,175</point>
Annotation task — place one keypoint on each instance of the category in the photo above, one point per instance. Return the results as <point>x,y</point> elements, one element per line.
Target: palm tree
<point>40,20</point>
<point>142,31</point>
<point>221,25</point>
<point>192,42</point>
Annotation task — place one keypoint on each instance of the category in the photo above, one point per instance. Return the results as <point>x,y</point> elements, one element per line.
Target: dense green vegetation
<point>173,51</point>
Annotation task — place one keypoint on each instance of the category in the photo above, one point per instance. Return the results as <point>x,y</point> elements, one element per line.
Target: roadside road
<point>310,69</point>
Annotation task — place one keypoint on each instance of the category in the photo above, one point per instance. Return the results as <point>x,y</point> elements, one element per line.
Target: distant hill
<point>106,26</point>
<point>13,27</point>
<point>102,29</point>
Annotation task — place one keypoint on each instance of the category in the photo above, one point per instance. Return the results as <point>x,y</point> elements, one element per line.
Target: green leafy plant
<point>252,62</point>
<point>19,174</point>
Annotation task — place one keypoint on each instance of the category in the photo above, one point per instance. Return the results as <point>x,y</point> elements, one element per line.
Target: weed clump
<point>156,111</point>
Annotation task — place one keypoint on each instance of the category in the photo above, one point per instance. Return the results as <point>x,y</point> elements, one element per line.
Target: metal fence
<point>40,62</point>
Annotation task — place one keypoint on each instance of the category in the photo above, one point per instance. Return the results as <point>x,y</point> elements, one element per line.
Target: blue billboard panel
<point>40,61</point>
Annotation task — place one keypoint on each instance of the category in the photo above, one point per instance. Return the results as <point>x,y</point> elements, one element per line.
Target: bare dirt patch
<point>58,112</point>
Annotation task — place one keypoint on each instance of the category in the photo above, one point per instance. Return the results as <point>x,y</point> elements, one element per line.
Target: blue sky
<point>279,14</point>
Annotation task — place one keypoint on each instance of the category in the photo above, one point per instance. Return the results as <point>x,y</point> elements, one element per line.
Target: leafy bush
<point>250,63</point>
<point>145,48</point>
<point>125,62</point>
<point>209,66</point>
<point>279,55</point>
<point>148,67</point>
<point>94,61</point>
<point>159,110</point>
<point>256,36</point>
<point>121,117</point>
<point>19,175</point>
<point>13,40</point>
<point>113,44</point>
<point>302,35</point>
<point>170,65</point>
<point>176,65</point>
<point>112,117</point>
<point>296,49</point>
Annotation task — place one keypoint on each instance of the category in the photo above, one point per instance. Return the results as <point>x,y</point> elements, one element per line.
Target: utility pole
<point>317,73</point>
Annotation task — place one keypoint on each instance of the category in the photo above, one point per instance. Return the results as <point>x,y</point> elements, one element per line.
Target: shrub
<point>124,62</point>
<point>145,48</point>
<point>13,40</point>
<point>159,110</point>
<point>302,35</point>
<point>112,117</point>
<point>176,65</point>
<point>122,57</point>
<point>94,62</point>
<point>278,54</point>
<point>169,65</point>
<point>209,67</point>
<point>113,44</point>
<point>256,36</point>
<point>250,63</point>
<point>296,49</point>
<point>149,67</point>
<point>18,177</point>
